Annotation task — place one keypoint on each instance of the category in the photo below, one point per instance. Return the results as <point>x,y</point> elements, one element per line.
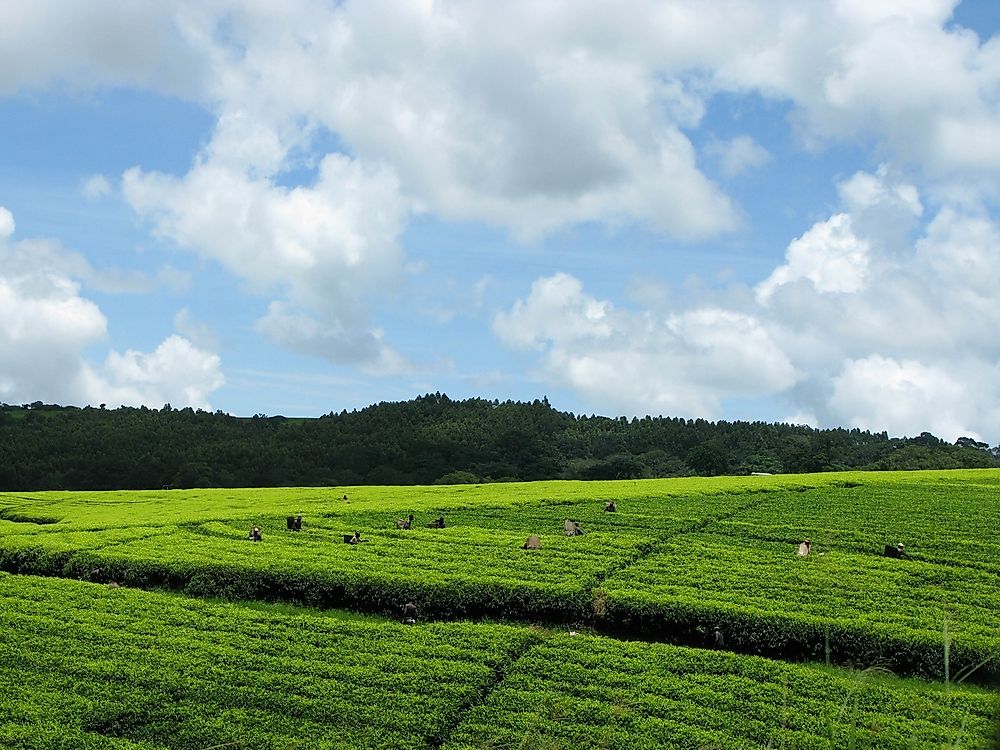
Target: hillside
<point>683,619</point>
<point>431,439</point>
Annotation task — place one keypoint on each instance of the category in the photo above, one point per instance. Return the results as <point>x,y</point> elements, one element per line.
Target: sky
<point>721,209</point>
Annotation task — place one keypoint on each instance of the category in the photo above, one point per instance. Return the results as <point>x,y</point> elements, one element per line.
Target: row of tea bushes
<point>578,693</point>
<point>85,666</point>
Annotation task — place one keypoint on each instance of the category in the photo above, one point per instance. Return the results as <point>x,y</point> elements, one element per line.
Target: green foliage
<point>679,556</point>
<point>85,666</point>
<point>431,439</point>
<point>88,667</point>
<point>582,693</point>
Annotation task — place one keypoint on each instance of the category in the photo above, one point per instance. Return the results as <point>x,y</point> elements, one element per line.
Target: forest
<point>431,439</point>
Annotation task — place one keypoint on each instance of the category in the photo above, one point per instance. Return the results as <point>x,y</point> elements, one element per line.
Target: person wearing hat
<point>898,552</point>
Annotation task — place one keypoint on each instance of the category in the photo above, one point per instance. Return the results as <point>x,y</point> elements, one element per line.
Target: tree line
<point>430,439</point>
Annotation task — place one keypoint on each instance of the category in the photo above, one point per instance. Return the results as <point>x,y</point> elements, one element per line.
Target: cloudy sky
<point>704,208</point>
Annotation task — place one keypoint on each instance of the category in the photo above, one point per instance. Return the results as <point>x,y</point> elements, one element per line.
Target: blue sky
<point>731,210</point>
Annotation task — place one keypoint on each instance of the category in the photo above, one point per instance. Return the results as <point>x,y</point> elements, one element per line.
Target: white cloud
<point>829,255</point>
<point>907,397</point>
<point>683,364</point>
<point>531,117</point>
<point>95,187</point>
<point>863,325</point>
<point>325,248</point>
<point>6,223</point>
<point>339,343</point>
<point>101,42</point>
<point>556,310</point>
<point>176,372</point>
<point>738,155</point>
<point>49,327</point>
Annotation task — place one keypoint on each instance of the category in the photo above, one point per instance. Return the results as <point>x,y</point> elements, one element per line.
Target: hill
<point>431,439</point>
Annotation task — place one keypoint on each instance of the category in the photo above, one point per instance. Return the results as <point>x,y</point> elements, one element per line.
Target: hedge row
<point>580,693</point>
<point>846,607</point>
<point>635,571</point>
<point>83,666</point>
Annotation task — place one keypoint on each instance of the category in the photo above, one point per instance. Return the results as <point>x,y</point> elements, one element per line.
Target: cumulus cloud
<point>176,372</point>
<point>101,42</point>
<point>882,393</point>
<point>302,332</point>
<point>536,117</point>
<point>829,255</point>
<point>685,363</point>
<point>863,325</point>
<point>531,117</point>
<point>49,328</point>
<point>556,309</point>
<point>323,247</point>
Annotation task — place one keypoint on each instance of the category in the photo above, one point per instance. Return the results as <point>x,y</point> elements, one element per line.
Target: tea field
<point>678,558</point>
<point>91,667</point>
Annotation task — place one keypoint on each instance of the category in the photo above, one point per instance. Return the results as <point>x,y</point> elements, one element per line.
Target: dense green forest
<point>431,439</point>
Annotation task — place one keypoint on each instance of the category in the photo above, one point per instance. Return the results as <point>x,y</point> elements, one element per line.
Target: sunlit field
<point>115,667</point>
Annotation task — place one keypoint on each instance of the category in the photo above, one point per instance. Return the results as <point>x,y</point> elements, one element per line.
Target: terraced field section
<point>600,693</point>
<point>678,558</point>
<point>90,667</point>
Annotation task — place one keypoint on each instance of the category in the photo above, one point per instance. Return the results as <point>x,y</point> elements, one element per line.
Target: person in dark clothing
<point>410,614</point>
<point>437,523</point>
<point>355,538</point>
<point>718,640</point>
<point>898,552</point>
<point>255,535</point>
<point>291,523</point>
<point>298,523</point>
<point>533,542</point>
<point>610,507</point>
<point>407,524</point>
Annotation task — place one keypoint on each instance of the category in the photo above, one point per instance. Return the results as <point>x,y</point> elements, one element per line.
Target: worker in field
<point>718,640</point>
<point>437,523</point>
<point>533,542</point>
<point>354,538</point>
<point>610,507</point>
<point>572,528</point>
<point>405,524</point>
<point>805,548</point>
<point>290,522</point>
<point>410,614</point>
<point>255,535</point>
<point>345,499</point>
<point>898,552</point>
<point>298,523</point>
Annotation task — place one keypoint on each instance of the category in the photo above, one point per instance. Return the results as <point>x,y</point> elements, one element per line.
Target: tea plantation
<point>91,662</point>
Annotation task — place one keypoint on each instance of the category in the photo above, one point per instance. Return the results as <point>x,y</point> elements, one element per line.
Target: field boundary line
<point>500,673</point>
<point>646,551</point>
